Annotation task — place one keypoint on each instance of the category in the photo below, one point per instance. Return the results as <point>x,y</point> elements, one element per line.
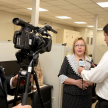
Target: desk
<point>45,89</point>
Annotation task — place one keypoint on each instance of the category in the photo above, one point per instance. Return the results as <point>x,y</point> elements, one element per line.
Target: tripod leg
<point>16,92</point>
<point>38,89</point>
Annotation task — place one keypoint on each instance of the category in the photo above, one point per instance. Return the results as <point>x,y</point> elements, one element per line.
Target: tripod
<point>27,77</point>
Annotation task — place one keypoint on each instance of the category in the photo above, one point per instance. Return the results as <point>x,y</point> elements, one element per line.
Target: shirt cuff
<point>85,75</point>
<point>62,78</point>
<point>11,83</point>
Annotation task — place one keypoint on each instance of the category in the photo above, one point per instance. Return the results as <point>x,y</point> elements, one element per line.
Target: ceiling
<point>78,10</point>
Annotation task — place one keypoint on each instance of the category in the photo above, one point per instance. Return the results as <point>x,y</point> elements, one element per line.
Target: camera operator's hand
<point>15,79</point>
<point>20,106</point>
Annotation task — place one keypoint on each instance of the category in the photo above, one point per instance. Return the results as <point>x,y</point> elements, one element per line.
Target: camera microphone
<point>81,63</point>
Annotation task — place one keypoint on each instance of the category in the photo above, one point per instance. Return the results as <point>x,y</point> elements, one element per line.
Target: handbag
<point>39,73</point>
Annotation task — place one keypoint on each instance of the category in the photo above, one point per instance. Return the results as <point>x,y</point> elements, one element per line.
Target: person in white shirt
<point>99,75</point>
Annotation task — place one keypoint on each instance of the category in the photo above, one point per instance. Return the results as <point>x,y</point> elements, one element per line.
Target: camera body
<point>27,39</point>
<point>31,40</point>
<point>23,39</point>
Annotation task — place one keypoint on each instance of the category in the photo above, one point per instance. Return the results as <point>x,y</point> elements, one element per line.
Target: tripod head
<point>24,58</point>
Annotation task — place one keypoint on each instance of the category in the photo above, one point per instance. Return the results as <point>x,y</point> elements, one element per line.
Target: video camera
<point>32,41</point>
<point>27,39</point>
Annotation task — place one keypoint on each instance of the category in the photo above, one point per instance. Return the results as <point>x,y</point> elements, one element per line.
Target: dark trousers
<point>102,103</point>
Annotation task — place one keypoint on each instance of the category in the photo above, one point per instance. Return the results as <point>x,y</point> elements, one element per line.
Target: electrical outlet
<point>53,99</point>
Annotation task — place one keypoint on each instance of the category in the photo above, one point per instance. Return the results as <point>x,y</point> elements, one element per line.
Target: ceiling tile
<point>24,10</point>
<point>68,7</point>
<point>95,9</point>
<point>25,5</point>
<point>4,8</point>
<point>58,2</point>
<point>61,11</point>
<point>11,1</point>
<point>51,8</point>
<point>49,13</point>
<point>26,1</point>
<point>11,6</point>
<point>49,0</point>
<point>106,8</point>
<point>1,3</point>
<point>100,1</point>
<point>77,10</point>
<point>79,1</point>
<point>44,4</point>
<point>91,5</point>
<point>83,13</point>
<point>88,16</point>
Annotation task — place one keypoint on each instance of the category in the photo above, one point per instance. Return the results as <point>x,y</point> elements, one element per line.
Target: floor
<point>29,103</point>
<point>93,105</point>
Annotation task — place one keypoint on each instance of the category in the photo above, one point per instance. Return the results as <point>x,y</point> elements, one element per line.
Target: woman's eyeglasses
<point>79,45</point>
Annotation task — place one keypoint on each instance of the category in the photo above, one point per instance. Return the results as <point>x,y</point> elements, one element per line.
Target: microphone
<point>81,63</point>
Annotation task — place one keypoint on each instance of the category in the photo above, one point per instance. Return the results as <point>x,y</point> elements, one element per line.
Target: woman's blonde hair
<point>79,38</point>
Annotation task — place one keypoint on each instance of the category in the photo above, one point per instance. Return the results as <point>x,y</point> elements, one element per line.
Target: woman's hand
<point>79,84</point>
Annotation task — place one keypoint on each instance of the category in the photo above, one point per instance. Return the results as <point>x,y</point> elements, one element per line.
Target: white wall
<point>51,64</point>
<point>7,28</point>
<point>7,51</point>
<point>100,50</point>
<point>81,30</point>
<point>55,26</point>
<point>100,38</point>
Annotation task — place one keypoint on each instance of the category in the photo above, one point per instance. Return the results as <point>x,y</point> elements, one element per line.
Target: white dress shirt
<point>99,75</point>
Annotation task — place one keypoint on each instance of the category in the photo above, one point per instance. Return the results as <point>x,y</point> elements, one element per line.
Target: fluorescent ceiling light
<point>90,26</point>
<point>99,28</point>
<point>63,17</point>
<point>40,9</point>
<point>80,22</point>
<point>103,4</point>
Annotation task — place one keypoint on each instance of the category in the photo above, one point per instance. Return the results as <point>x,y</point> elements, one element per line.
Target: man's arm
<point>97,74</point>
<point>11,83</point>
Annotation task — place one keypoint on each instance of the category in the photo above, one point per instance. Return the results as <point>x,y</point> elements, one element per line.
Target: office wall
<point>100,38</point>
<point>7,28</point>
<point>100,50</point>
<point>82,31</point>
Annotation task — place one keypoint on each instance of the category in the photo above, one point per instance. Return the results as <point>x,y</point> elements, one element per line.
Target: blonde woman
<point>75,93</point>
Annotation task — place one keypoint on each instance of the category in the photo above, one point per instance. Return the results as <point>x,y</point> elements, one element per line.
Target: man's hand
<point>20,106</point>
<point>93,65</point>
<point>79,84</point>
<point>80,69</point>
<point>15,79</point>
